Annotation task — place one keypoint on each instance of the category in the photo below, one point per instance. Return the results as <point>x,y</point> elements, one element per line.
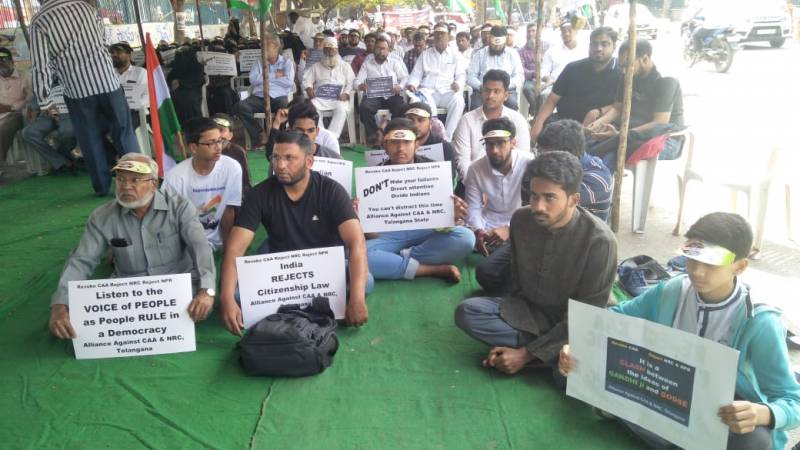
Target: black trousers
<point>494,272</point>
<point>370,106</point>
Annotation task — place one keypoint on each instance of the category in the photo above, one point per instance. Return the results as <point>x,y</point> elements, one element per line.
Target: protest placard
<point>248,58</point>
<point>131,316</point>
<point>57,97</point>
<point>134,94</point>
<point>379,87</point>
<point>375,157</point>
<point>405,197</point>
<point>168,56</point>
<point>314,56</point>
<point>665,380</point>
<point>329,91</point>
<point>218,63</point>
<point>434,152</point>
<point>340,170</point>
<point>268,281</point>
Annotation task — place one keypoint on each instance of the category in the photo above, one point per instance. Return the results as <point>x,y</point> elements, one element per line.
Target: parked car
<point>618,15</point>
<point>752,21</point>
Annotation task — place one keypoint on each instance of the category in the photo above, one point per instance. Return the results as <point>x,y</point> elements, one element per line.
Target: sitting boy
<point>713,303</point>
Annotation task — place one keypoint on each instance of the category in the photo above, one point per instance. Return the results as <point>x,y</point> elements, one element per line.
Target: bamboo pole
<point>200,25</point>
<point>21,20</point>
<point>538,58</point>
<point>138,17</point>
<point>626,116</point>
<point>265,73</point>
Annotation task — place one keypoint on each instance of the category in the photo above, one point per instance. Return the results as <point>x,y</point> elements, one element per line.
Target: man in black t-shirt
<point>585,89</point>
<point>300,209</point>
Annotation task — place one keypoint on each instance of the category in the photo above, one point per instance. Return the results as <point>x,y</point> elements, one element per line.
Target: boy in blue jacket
<point>713,303</point>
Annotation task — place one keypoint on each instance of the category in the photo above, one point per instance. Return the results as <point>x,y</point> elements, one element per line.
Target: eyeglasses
<point>220,142</point>
<point>132,181</point>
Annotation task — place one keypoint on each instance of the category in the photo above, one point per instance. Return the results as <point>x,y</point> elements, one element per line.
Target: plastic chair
<point>750,183</point>
<point>351,120</point>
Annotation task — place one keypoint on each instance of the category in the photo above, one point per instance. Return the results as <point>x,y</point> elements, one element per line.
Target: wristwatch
<point>211,292</point>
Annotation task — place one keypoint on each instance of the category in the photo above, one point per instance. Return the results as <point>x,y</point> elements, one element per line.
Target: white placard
<point>134,93</point>
<point>217,63</point>
<point>120,317</point>
<point>340,170</point>
<point>434,152</point>
<point>405,197</point>
<point>57,97</point>
<point>665,380</point>
<point>268,281</point>
<point>248,58</point>
<point>168,56</point>
<point>375,157</point>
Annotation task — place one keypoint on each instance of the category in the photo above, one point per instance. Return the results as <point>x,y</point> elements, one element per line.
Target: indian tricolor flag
<point>165,124</point>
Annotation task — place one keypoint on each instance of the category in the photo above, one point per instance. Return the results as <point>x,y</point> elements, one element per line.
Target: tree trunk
<point>537,79</point>
<point>177,8</point>
<point>265,71</point>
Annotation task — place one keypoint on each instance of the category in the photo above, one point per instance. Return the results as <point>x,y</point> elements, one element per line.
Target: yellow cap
<point>418,112</point>
<point>133,166</point>
<point>497,134</point>
<point>708,253</point>
<point>400,135</point>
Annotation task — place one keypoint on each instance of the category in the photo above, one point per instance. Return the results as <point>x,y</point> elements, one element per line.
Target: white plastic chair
<point>362,133</point>
<point>751,183</point>
<point>143,133</point>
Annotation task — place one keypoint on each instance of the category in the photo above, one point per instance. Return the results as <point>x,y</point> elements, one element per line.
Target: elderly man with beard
<point>149,232</point>
<point>496,56</point>
<point>300,209</point>
<point>330,74</point>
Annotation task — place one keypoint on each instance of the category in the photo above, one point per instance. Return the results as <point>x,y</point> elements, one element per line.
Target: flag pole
<point>538,55</point>
<point>155,123</point>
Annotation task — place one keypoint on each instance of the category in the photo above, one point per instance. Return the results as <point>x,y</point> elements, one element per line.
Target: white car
<point>752,21</point>
<point>618,15</point>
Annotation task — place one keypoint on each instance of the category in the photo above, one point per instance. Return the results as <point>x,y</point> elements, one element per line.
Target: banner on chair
<point>216,63</point>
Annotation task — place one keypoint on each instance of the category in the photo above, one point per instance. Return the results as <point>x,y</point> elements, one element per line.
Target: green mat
<point>408,379</point>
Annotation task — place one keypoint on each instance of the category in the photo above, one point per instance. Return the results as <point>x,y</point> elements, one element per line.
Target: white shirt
<point>502,192</point>
<point>134,83</point>
<point>392,67</point>
<point>558,56</point>
<point>507,61</point>
<point>210,194</point>
<point>437,71</point>
<point>320,74</point>
<point>326,138</point>
<point>467,54</point>
<point>467,143</point>
<point>306,30</point>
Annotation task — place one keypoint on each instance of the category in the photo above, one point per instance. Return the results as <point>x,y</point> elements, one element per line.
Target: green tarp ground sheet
<point>408,379</point>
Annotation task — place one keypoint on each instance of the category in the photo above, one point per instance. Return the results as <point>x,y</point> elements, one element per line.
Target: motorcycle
<point>716,45</point>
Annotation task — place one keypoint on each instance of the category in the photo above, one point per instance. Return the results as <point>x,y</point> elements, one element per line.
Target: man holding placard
<point>412,253</point>
<point>300,209</point>
<point>329,85</point>
<point>711,302</point>
<point>559,251</point>
<point>493,183</point>
<point>383,80</point>
<point>149,232</point>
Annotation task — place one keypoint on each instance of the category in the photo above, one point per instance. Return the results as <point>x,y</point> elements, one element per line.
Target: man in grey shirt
<point>149,233</point>
<point>559,252</point>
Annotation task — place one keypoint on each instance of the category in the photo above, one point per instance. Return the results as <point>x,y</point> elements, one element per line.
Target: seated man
<point>420,114</point>
<point>233,150</point>
<point>281,83</point>
<point>211,181</point>
<point>406,255</point>
<point>468,138</point>
<point>494,272</point>
<point>331,70</point>
<point>416,50</point>
<point>492,184</point>
<point>149,232</point>
<point>712,302</point>
<point>353,47</point>
<point>656,107</point>
<point>496,56</point>
<point>381,66</point>
<point>559,252</point>
<point>438,79</point>
<point>302,117</point>
<point>300,209</point>
<point>15,92</point>
<point>585,89</point>
<point>358,60</point>
<point>132,79</point>
<point>36,133</point>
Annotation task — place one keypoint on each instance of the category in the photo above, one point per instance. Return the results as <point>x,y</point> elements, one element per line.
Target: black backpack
<point>293,342</point>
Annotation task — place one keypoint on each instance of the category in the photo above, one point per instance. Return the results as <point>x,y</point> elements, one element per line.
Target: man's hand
<point>743,416</point>
<point>362,87</point>
<point>411,88</point>
<point>356,313</point>
<point>590,117</point>
<point>51,112</point>
<point>608,131</point>
<point>455,87</point>
<point>231,315</point>
<point>565,361</point>
<point>536,130</point>
<point>280,74</point>
<point>281,116</point>
<point>303,54</point>
<point>480,242</point>
<point>396,89</point>
<point>344,97</point>
<point>497,236</point>
<point>175,84</point>
<point>459,208</point>
<point>59,324</point>
<point>355,205</point>
<point>201,306</point>
<point>5,108</point>
<point>508,360</point>
<point>309,93</point>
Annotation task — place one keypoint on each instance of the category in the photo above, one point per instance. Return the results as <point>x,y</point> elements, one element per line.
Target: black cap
<point>124,46</point>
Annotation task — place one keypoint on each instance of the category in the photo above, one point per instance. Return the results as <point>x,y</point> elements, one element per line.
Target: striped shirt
<point>68,43</point>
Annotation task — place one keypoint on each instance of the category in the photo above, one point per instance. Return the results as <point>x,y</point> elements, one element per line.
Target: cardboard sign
<point>329,91</point>
<point>168,56</point>
<point>120,317</point>
<point>665,380</point>
<point>433,152</point>
<point>340,170</point>
<point>216,63</point>
<point>314,56</point>
<point>405,197</point>
<point>268,281</point>
<point>57,97</point>
<point>248,58</point>
<point>135,94</point>
<point>375,157</point>
<point>379,87</point>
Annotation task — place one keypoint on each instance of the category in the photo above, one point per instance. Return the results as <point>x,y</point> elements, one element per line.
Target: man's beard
<point>136,204</point>
<point>330,61</point>
<point>117,63</point>
<point>494,52</point>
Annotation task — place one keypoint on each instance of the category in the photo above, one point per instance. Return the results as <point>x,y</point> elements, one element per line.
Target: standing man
<point>132,79</point>
<point>15,92</point>
<point>381,66</point>
<point>326,75</point>
<point>281,83</point>
<point>68,43</point>
<point>557,57</point>
<point>438,79</point>
<point>496,56</point>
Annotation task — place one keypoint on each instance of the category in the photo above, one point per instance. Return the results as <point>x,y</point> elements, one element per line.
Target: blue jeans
<point>96,115</point>
<point>36,133</point>
<point>397,255</point>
